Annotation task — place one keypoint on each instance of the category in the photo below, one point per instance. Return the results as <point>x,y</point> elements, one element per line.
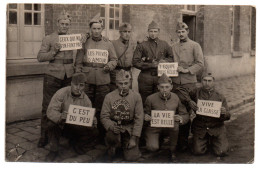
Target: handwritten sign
<point>80,115</point>
<point>97,56</point>
<point>170,69</point>
<point>162,118</point>
<point>70,42</point>
<point>209,108</point>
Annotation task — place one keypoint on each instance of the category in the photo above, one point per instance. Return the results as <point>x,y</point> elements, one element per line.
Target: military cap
<point>78,78</point>
<point>125,26</point>
<point>164,79</point>
<point>64,15</point>
<point>123,75</point>
<point>181,25</point>
<point>96,19</point>
<point>153,25</point>
<point>207,74</point>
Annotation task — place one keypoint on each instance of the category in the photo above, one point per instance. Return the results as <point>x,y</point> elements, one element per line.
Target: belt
<point>62,61</point>
<point>100,65</point>
<point>124,68</point>
<point>125,122</point>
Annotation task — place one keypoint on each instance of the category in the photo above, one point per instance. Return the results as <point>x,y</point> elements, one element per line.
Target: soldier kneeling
<point>122,117</point>
<point>80,136</point>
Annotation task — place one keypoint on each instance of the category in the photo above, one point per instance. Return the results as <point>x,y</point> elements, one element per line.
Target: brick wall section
<point>217,40</point>
<point>142,15</point>
<point>81,15</point>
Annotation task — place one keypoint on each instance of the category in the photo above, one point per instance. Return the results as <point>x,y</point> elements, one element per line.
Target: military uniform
<point>189,55</point>
<point>147,52</point>
<point>205,128</point>
<point>124,51</point>
<point>57,74</point>
<point>125,111</point>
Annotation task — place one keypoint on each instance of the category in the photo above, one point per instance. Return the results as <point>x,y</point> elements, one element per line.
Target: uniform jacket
<point>149,51</point>
<point>61,101</point>
<point>131,105</point>
<point>125,60</point>
<point>157,102</point>
<point>55,67</point>
<point>94,72</point>
<point>188,55</point>
<point>203,124</point>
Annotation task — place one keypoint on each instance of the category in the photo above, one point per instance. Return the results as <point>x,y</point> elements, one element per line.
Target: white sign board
<point>97,56</point>
<point>170,69</point>
<point>162,118</point>
<point>70,42</point>
<point>209,108</point>
<point>80,115</point>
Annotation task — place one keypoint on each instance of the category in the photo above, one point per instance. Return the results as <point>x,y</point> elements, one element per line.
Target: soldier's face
<point>123,85</point>
<point>182,34</point>
<point>165,88</point>
<point>63,26</point>
<point>153,33</point>
<point>125,34</point>
<point>208,83</point>
<point>77,89</point>
<point>96,30</point>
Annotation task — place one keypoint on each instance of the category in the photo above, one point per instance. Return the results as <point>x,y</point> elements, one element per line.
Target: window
<point>111,14</point>
<point>189,9</point>
<point>25,30</point>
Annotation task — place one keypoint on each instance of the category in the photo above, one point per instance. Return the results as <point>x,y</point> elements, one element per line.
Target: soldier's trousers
<point>152,136</point>
<point>50,86</point>
<point>147,84</point>
<point>184,129</point>
<point>218,142</point>
<point>96,94</point>
<point>121,140</point>
<point>81,136</point>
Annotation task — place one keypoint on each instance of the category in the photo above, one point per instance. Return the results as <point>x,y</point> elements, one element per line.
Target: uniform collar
<point>165,98</point>
<point>79,97</point>
<point>123,41</point>
<point>153,40</point>
<point>96,39</point>
<point>185,40</point>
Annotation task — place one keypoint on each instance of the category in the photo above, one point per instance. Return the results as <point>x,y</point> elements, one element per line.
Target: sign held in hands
<point>162,118</point>
<point>209,108</point>
<point>170,69</point>
<point>80,115</point>
<point>70,42</point>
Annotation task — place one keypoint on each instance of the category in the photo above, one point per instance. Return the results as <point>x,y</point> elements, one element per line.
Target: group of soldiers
<point>123,116</point>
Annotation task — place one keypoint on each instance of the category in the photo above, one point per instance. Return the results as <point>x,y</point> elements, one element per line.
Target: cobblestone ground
<point>22,137</point>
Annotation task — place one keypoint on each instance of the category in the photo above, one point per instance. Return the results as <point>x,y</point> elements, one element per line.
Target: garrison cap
<point>125,26</point>
<point>164,79</point>
<point>96,19</point>
<point>78,78</point>
<point>207,74</point>
<point>123,75</point>
<point>153,25</point>
<point>64,15</point>
<point>181,25</point>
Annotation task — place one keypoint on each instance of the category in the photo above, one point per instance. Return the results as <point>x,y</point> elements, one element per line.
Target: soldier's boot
<point>173,156</point>
<point>51,156</point>
<point>43,141</point>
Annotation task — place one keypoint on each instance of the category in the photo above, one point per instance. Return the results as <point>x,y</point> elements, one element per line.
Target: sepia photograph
<point>130,83</point>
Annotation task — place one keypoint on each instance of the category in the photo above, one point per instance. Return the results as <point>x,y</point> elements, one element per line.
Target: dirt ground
<point>241,142</point>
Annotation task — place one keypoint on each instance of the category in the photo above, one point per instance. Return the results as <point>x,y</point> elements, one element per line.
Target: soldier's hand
<point>178,118</point>
<point>95,122</point>
<point>223,110</point>
<point>116,129</point>
<point>57,47</point>
<point>147,117</point>
<point>162,61</point>
<point>193,105</point>
<point>182,70</point>
<point>132,142</point>
<point>64,115</point>
<point>83,38</point>
<point>106,68</point>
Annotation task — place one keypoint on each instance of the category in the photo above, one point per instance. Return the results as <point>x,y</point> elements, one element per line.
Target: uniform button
<point>207,128</point>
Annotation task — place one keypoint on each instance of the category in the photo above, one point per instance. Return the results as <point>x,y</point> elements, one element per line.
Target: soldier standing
<point>59,70</point>
<point>97,59</point>
<point>147,56</point>
<point>125,50</point>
